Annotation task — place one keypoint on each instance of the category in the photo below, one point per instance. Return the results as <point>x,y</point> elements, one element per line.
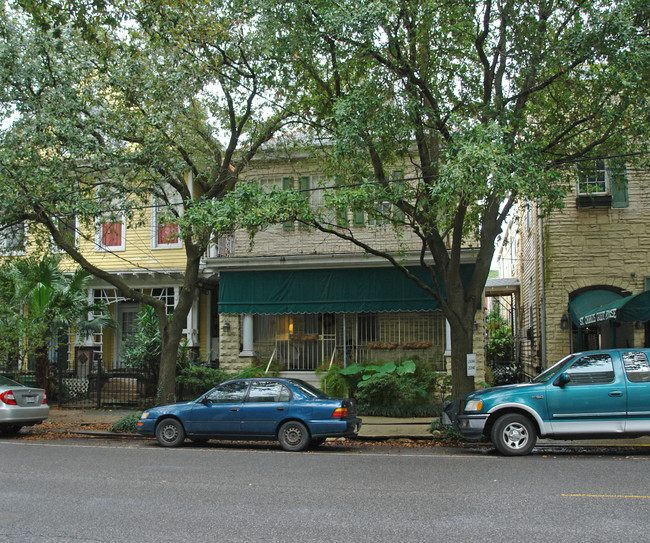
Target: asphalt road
<point>133,491</point>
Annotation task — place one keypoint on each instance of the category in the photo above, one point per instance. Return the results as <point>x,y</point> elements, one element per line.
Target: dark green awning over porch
<point>355,290</point>
<point>629,309</point>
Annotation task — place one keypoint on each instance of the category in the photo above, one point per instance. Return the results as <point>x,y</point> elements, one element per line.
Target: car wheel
<point>513,435</point>
<point>293,436</point>
<point>170,433</point>
<point>10,429</point>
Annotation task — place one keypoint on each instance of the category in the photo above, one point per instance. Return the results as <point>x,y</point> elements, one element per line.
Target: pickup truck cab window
<point>591,370</point>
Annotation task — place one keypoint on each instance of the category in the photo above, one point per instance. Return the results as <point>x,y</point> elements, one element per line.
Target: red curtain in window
<point>112,234</point>
<point>167,233</point>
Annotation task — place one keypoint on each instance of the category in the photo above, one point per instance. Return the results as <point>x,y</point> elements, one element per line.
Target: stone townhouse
<point>584,270</point>
<point>304,298</point>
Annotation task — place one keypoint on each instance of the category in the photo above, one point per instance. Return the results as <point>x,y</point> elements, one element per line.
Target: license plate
<point>30,399</point>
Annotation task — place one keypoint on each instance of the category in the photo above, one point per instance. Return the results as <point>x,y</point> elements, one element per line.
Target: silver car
<point>20,406</point>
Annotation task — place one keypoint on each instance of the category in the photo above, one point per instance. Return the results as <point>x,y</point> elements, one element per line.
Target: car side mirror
<point>563,379</point>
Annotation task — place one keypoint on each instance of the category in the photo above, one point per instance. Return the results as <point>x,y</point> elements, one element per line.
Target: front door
<point>592,402</point>
<point>127,315</point>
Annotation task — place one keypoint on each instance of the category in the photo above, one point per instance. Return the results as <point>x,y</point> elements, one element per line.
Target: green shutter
<point>618,183</point>
<point>358,218</point>
<point>287,184</point>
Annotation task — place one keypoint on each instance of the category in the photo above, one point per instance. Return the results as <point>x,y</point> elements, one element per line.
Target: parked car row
<point>592,394</point>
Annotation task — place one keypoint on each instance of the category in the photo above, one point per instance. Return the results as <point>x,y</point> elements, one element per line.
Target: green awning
<point>588,301</point>
<point>356,290</point>
<point>629,309</point>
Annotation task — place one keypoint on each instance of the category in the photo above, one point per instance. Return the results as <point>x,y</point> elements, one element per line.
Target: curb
<point>114,435</point>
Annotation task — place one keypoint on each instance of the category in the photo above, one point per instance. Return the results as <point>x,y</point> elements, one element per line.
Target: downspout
<point>543,296</point>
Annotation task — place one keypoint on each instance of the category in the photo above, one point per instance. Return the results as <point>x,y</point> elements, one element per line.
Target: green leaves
<point>369,371</point>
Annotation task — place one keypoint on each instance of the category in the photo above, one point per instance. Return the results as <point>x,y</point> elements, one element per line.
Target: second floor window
<point>111,234</point>
<point>165,231</point>
<point>594,179</point>
<point>603,183</point>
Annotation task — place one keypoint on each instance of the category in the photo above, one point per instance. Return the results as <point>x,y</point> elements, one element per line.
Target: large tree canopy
<point>490,102</point>
<point>110,107</point>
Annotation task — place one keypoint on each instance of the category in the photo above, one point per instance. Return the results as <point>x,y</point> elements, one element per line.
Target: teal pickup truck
<point>592,394</point>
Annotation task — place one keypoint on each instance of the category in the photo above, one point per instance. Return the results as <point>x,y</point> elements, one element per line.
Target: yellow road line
<point>605,496</point>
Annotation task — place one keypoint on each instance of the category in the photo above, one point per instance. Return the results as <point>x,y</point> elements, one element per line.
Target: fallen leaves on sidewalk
<point>58,430</point>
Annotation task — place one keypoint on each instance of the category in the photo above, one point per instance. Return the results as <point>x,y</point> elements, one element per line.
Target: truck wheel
<point>513,435</point>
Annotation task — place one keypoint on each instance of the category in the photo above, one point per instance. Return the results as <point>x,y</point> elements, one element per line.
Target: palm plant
<point>49,301</point>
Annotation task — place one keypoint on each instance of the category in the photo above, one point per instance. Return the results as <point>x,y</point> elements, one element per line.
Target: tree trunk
<point>42,368</point>
<point>171,339</point>
<point>462,344</point>
<point>171,329</point>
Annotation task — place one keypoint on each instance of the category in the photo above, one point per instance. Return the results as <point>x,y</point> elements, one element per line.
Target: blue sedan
<point>289,410</point>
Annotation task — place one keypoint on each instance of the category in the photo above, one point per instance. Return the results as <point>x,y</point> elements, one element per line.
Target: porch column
<point>447,354</point>
<point>447,338</point>
<point>192,330</point>
<point>247,337</point>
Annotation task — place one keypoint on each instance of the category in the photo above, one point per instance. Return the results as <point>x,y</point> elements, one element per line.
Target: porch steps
<point>307,376</point>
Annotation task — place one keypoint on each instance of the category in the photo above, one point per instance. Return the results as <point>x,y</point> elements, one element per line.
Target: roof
<point>502,286</point>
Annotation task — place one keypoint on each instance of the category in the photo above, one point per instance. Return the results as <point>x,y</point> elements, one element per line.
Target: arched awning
<point>628,309</point>
<point>586,302</point>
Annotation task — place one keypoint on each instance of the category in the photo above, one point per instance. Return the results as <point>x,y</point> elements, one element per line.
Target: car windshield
<point>307,389</point>
<point>8,382</point>
<point>551,372</point>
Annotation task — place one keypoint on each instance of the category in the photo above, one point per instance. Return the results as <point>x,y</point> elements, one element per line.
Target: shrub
<point>143,348</point>
<point>128,424</point>
<point>332,382</point>
<point>405,389</point>
<point>445,434</point>
<point>500,351</point>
